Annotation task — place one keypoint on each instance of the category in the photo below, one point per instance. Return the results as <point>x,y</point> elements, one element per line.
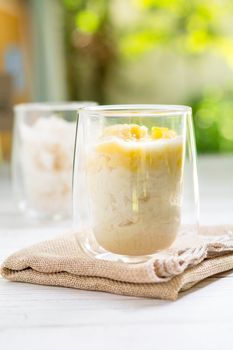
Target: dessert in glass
<point>43,147</point>
<point>130,161</point>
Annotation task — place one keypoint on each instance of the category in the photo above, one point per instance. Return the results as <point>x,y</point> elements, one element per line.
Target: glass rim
<point>152,109</point>
<point>53,106</point>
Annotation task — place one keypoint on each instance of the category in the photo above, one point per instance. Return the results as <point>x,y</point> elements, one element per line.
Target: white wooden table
<point>41,317</point>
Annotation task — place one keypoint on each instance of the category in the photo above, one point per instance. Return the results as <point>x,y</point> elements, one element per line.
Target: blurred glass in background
<point>118,51</point>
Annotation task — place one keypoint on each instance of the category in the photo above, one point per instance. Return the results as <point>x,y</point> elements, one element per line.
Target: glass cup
<point>43,147</point>
<point>135,185</point>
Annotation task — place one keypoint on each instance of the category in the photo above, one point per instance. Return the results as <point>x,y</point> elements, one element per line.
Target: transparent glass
<point>135,186</point>
<point>43,148</point>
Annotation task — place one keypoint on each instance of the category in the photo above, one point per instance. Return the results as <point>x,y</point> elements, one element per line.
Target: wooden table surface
<point>41,317</point>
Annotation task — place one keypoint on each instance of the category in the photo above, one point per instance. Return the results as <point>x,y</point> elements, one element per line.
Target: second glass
<point>129,179</point>
<point>43,147</point>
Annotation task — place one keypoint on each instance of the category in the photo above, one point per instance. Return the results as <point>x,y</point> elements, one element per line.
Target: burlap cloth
<point>61,262</point>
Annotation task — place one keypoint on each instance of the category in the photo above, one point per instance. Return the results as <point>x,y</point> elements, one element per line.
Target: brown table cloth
<point>61,262</point>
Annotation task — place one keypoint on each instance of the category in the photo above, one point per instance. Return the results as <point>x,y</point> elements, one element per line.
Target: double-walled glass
<point>43,147</point>
<point>135,183</point>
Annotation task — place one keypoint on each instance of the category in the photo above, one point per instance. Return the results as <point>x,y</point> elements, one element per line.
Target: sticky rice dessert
<point>46,162</point>
<point>135,188</point>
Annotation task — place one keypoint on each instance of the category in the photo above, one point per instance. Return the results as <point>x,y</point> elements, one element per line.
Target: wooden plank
<point>135,337</point>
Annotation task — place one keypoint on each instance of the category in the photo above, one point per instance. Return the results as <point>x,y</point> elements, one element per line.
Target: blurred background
<point>121,51</point>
